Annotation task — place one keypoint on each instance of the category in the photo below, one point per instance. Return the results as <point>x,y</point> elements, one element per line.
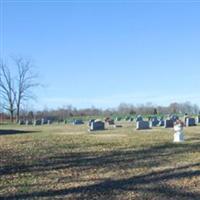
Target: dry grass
<point>68,162</point>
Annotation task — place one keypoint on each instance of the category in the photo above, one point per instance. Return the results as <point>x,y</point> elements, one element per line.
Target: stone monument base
<point>179,137</point>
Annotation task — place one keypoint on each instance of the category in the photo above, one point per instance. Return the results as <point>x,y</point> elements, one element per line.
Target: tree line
<point>123,109</point>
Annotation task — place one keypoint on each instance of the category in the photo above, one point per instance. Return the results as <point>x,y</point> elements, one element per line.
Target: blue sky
<point>101,53</point>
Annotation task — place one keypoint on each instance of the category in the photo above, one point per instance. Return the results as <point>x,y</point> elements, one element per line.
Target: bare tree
<point>26,81</point>
<point>7,92</point>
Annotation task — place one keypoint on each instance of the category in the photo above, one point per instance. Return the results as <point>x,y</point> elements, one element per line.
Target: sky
<point>102,53</point>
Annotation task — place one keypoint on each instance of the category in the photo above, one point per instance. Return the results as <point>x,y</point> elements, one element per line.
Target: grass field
<point>68,162</point>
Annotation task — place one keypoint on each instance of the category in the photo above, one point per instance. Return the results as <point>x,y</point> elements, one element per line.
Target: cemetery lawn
<point>68,162</point>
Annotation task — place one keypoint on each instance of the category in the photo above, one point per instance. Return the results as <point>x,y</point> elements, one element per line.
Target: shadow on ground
<point>149,185</point>
<point>14,132</point>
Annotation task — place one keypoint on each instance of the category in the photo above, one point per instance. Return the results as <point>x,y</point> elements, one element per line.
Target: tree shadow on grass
<point>115,160</point>
<point>14,132</point>
<point>150,184</point>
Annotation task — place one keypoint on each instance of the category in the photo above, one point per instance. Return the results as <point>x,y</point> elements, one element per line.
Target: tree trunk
<point>18,113</point>
<point>12,116</point>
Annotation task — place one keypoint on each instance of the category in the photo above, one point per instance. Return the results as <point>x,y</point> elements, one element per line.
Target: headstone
<point>118,119</point>
<point>127,118</point>
<point>161,123</point>
<point>37,122</point>
<point>174,118</point>
<point>168,123</point>
<point>78,122</point>
<point>178,135</point>
<point>185,118</point>
<point>190,122</point>
<point>97,125</point>
<point>140,125</point>
<point>28,122</point>
<point>131,119</point>
<point>154,121</point>
<point>90,122</point>
<point>44,121</point>
<point>22,122</point>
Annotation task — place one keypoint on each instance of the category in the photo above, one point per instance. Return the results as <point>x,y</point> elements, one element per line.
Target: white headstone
<point>178,135</point>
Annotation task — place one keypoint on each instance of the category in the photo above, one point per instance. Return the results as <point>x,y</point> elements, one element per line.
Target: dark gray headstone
<point>190,122</point>
<point>131,119</point>
<point>118,119</point>
<point>154,121</point>
<point>127,118</point>
<point>44,121</point>
<point>168,123</point>
<point>140,125</point>
<point>78,122</point>
<point>22,122</point>
<point>174,118</point>
<point>97,125</point>
<point>37,122</point>
<point>161,123</point>
<point>29,122</point>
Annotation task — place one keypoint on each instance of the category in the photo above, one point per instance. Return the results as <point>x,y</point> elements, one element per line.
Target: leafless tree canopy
<point>14,90</point>
<point>7,91</point>
<point>25,83</point>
